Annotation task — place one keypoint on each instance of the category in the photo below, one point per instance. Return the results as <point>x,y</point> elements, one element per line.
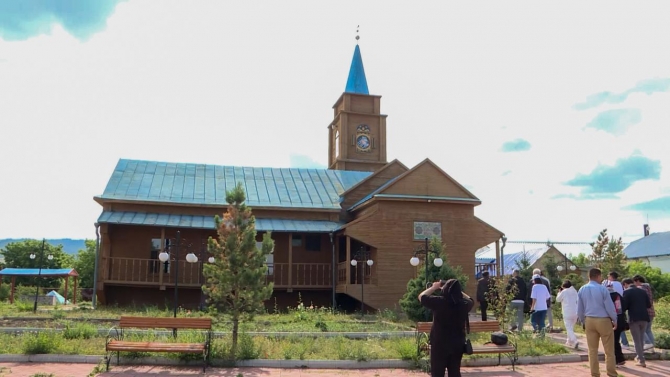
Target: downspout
<point>502,254</point>
<point>334,269</point>
<point>95,271</point>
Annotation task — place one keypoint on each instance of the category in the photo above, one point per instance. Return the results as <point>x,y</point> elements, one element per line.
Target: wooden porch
<point>152,272</point>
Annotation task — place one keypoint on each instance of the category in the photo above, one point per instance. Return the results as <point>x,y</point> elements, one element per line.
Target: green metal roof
<point>165,182</point>
<point>207,222</point>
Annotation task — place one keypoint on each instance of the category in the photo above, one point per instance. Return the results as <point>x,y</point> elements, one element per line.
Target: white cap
<point>536,276</point>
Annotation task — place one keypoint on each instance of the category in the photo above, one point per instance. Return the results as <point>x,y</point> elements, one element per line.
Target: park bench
<point>509,350</point>
<point>116,343</point>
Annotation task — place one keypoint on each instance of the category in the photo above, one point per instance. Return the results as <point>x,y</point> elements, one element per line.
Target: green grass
<point>260,347</point>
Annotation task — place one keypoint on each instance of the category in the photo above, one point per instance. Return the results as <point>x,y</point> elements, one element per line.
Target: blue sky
<point>554,115</point>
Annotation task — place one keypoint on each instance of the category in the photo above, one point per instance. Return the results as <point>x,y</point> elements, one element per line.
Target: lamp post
<point>425,249</point>
<point>363,255</point>
<point>165,257</point>
<point>194,259</point>
<point>39,273</point>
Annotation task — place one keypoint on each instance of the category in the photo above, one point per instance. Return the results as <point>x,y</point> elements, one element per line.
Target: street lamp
<point>164,257</point>
<point>363,255</point>
<point>425,249</point>
<point>192,258</point>
<point>502,254</point>
<point>37,290</point>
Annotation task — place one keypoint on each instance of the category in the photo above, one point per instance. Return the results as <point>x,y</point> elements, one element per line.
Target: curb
<point>282,364</point>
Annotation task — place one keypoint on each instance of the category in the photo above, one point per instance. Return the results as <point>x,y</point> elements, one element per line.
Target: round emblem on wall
<point>363,143</point>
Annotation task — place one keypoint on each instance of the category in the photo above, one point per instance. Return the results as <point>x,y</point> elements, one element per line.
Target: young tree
<point>409,302</point>
<point>235,282</point>
<point>85,264</point>
<point>524,266</point>
<point>608,254</point>
<point>580,260</point>
<point>499,296</point>
<point>551,272</point>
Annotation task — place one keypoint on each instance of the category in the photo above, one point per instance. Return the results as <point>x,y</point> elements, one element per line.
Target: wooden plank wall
<point>390,230</point>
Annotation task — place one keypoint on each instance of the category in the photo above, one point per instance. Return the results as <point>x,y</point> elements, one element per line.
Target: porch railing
<point>149,271</point>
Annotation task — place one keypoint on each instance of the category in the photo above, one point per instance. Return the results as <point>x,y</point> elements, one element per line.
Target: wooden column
<point>67,279</point>
<point>161,266</point>
<point>11,290</point>
<point>499,261</point>
<point>75,291</point>
<point>347,261</point>
<point>290,262</point>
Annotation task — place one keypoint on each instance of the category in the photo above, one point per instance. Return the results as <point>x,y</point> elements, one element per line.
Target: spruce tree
<point>236,281</point>
<point>410,301</point>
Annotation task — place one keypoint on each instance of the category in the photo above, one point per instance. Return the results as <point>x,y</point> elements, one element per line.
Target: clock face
<point>363,142</point>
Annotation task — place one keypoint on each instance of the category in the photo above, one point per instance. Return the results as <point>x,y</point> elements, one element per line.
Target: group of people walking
<point>606,309</point>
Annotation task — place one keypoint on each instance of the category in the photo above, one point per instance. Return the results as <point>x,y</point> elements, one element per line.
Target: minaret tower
<point>357,133</point>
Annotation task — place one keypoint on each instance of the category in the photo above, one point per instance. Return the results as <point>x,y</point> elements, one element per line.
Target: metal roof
<point>36,272</point>
<point>356,82</point>
<point>653,245</point>
<point>372,194</point>
<point>207,222</point>
<point>510,259</point>
<point>165,182</point>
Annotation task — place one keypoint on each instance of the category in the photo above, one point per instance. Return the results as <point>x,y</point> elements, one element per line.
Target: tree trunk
<point>233,348</point>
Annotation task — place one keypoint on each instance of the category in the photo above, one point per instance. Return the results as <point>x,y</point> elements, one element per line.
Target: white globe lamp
<point>438,262</point>
<point>573,267</point>
<point>354,262</point>
<point>559,268</point>
<point>211,260</point>
<point>163,257</point>
<point>414,261</point>
<point>370,262</point>
<point>32,255</point>
<point>191,258</point>
<point>50,257</point>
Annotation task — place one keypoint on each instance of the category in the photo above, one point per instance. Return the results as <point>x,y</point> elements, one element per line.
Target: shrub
<point>43,342</point>
<point>662,340</point>
<point>247,349</point>
<point>79,331</point>
<point>4,292</point>
<point>23,306</point>
<point>659,281</point>
<point>662,309</point>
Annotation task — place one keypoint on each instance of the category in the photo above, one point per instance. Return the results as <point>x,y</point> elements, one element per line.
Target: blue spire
<point>356,83</point>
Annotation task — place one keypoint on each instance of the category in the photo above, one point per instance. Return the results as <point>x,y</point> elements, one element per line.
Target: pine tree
<point>615,259</point>
<point>599,249</point>
<point>235,282</point>
<point>409,302</point>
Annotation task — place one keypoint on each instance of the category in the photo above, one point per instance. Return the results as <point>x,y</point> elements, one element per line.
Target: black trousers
<point>483,305</point>
<point>451,363</point>
<point>618,353</point>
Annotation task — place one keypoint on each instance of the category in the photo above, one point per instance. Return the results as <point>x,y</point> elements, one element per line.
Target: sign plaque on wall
<point>428,230</point>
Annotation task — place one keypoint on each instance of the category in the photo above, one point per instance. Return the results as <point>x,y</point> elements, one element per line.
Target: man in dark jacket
<point>518,303</point>
<point>636,302</point>
<point>483,286</point>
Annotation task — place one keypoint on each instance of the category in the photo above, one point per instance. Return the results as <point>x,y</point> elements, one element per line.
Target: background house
<point>652,249</point>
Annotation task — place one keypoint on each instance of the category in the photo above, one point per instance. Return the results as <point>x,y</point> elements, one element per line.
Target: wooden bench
<point>509,350</point>
<point>116,343</point>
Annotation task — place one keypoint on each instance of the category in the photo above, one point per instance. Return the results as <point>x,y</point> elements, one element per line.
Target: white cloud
<point>252,83</point>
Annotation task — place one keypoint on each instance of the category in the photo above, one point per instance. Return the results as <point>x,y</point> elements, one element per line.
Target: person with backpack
<point>621,324</point>
<point>448,335</point>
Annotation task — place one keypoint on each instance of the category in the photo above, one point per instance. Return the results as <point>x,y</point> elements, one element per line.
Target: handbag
<point>467,347</point>
<point>499,338</point>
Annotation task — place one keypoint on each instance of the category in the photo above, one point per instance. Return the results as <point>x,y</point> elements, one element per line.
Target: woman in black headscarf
<point>447,336</point>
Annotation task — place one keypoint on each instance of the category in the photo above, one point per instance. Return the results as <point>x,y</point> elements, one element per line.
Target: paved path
<point>654,369</point>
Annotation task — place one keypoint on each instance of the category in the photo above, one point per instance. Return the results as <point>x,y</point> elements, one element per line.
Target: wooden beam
<point>11,290</point>
<point>75,290</point>
<point>499,261</point>
<point>348,259</point>
<point>160,264</point>
<point>290,262</point>
<point>67,279</point>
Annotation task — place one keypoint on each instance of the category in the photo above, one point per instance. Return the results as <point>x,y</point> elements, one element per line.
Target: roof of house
<point>200,184</point>
<point>38,272</point>
<point>207,222</point>
<point>510,259</point>
<point>653,245</point>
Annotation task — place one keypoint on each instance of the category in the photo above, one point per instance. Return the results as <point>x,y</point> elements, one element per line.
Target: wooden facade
<point>376,206</point>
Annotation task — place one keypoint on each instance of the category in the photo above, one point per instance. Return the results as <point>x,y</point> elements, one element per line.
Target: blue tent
<point>61,299</point>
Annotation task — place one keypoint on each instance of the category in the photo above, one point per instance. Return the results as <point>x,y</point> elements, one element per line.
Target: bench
<point>116,342</point>
<point>509,350</point>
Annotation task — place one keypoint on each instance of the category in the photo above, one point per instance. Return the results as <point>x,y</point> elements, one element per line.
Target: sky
<point>554,114</point>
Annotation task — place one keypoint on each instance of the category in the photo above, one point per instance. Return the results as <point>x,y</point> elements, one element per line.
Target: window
<point>269,259</point>
<point>296,240</point>
<point>313,242</point>
<point>337,143</point>
<point>153,255</point>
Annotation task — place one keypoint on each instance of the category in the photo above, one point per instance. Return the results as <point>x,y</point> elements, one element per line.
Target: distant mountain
<point>70,246</point>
